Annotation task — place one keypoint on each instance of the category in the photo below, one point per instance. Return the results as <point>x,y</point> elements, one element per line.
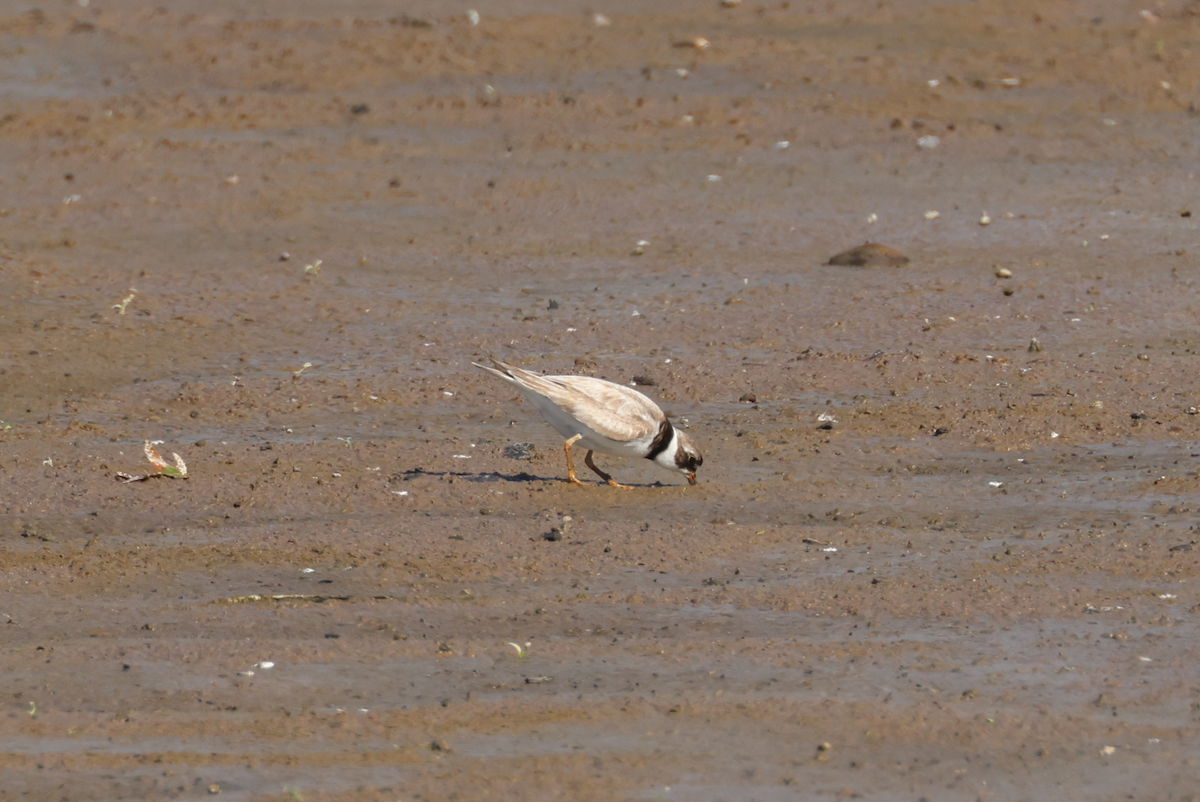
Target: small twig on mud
<point>120,307</point>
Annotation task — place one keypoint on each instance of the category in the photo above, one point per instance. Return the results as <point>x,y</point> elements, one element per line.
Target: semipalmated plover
<point>602,416</point>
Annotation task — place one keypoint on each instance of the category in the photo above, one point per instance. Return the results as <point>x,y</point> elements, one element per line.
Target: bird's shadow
<point>496,476</point>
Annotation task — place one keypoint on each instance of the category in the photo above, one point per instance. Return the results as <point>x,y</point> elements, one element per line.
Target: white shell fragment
<point>932,214</point>
<point>985,219</point>
<point>929,142</point>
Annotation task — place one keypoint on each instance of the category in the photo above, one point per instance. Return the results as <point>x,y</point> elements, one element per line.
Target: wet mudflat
<point>928,558</point>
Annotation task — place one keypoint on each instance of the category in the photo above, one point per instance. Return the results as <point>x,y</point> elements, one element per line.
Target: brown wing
<point>609,409</point>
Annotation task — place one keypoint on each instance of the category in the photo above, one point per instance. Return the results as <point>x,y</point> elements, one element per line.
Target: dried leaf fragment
<point>178,470</point>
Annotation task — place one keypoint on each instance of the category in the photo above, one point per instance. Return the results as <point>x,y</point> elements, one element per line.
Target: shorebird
<point>603,416</point>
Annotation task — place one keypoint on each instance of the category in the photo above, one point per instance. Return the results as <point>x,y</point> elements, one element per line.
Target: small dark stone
<point>553,304</point>
<point>1139,416</point>
<point>332,635</point>
<point>524,451</point>
<point>360,108</point>
<point>827,425</point>
<point>554,535</point>
<point>939,431</point>
<point>395,182</point>
<point>748,398</point>
<point>870,254</point>
<point>1185,214</point>
<point>411,22</point>
<point>645,381</point>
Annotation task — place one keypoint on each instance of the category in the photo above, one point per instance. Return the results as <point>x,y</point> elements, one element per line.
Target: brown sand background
<point>980,583</point>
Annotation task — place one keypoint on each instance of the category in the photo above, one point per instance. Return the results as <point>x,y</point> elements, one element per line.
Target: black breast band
<point>661,440</point>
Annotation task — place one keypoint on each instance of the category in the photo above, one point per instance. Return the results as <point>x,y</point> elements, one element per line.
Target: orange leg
<point>571,477</point>
<point>602,474</point>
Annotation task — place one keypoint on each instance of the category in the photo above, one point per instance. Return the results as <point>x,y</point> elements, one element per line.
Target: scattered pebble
<point>698,42</point>
<point>601,21</point>
<point>985,219</point>
<point>932,214</point>
<point>1003,272</point>
<point>929,142</point>
<point>870,254</point>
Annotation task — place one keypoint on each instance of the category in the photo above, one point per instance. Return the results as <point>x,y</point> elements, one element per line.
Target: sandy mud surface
<point>928,557</point>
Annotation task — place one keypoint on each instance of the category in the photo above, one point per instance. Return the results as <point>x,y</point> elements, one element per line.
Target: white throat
<point>666,457</point>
